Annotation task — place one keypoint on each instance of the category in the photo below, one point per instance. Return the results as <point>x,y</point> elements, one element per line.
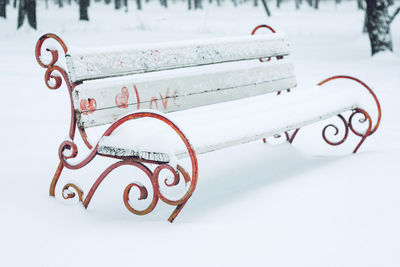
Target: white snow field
<point>306,204</point>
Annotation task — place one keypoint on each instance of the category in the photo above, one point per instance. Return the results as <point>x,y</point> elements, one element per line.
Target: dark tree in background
<point>117,4</point>
<point>27,8</point>
<point>378,23</point>
<point>83,9</point>
<point>266,7</point>
<point>3,4</point>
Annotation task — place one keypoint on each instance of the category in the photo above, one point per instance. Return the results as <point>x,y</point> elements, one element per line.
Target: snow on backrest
<point>103,101</point>
<point>89,64</point>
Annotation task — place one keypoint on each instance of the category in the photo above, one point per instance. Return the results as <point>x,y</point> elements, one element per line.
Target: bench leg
<point>358,111</point>
<point>55,179</point>
<point>154,177</point>
<point>176,212</point>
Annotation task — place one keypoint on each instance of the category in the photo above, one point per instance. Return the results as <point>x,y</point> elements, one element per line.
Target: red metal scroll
<point>154,177</point>
<point>349,123</point>
<point>68,149</point>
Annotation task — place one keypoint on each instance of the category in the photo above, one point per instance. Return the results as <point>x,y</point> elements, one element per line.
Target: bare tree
<point>360,4</point>
<point>117,4</point>
<point>378,25</point>
<point>83,9</point>
<point>297,4</point>
<point>316,4</point>
<point>197,4</point>
<point>3,4</point>
<point>27,8</point>
<point>266,7</point>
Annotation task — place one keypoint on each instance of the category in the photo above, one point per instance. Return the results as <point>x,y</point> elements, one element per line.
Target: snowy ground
<point>303,205</point>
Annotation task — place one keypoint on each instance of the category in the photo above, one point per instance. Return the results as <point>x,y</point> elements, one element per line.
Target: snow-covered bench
<point>116,85</point>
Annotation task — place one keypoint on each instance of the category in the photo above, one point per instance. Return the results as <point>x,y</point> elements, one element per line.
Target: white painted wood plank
<point>215,127</point>
<point>87,64</point>
<point>175,91</point>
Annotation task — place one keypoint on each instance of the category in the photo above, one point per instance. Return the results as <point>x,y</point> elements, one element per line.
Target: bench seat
<point>161,102</point>
<point>217,126</point>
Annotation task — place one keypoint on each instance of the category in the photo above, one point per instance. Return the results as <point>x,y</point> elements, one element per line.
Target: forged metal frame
<point>348,124</point>
<point>51,74</point>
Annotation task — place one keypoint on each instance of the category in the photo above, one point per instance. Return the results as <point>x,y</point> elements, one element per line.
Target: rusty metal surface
<point>154,177</point>
<point>349,123</point>
<point>378,105</point>
<point>68,149</point>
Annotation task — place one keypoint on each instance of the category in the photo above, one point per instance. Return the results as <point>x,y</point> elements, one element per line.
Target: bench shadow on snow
<point>233,174</point>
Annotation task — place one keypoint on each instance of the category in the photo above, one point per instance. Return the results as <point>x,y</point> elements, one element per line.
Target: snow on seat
<point>218,126</point>
<point>96,63</point>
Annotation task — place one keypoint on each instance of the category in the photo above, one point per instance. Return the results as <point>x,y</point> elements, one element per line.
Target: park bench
<point>244,75</point>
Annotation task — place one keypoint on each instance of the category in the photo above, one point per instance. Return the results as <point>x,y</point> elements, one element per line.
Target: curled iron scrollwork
<point>52,67</point>
<point>336,128</point>
<point>69,150</point>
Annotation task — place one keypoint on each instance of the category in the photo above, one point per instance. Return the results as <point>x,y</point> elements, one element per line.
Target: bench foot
<point>176,212</point>
<point>71,190</point>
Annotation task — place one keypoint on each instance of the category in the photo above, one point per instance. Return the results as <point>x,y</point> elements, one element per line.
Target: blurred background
<point>199,15</point>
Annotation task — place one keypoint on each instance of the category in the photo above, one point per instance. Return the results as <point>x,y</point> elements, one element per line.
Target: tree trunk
<point>3,8</point>
<point>365,27</point>
<point>83,10</point>
<point>297,3</point>
<point>378,26</point>
<point>117,4</point>
<point>360,4</point>
<point>255,3</point>
<point>278,3</point>
<point>316,4</point>
<point>266,7</point>
<point>395,14</point>
<point>27,8</point>
<point>139,4</point>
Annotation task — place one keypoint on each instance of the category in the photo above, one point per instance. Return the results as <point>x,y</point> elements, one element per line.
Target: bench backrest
<point>172,76</point>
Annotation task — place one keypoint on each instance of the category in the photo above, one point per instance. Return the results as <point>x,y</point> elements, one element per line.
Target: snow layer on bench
<point>95,63</point>
<point>180,89</point>
<point>217,126</point>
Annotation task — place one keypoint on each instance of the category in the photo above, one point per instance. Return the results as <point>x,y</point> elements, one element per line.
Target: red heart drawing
<point>121,99</point>
<point>88,106</point>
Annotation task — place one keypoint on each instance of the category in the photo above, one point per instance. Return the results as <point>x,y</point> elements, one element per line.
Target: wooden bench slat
<point>215,127</point>
<point>88,64</point>
<point>175,90</point>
